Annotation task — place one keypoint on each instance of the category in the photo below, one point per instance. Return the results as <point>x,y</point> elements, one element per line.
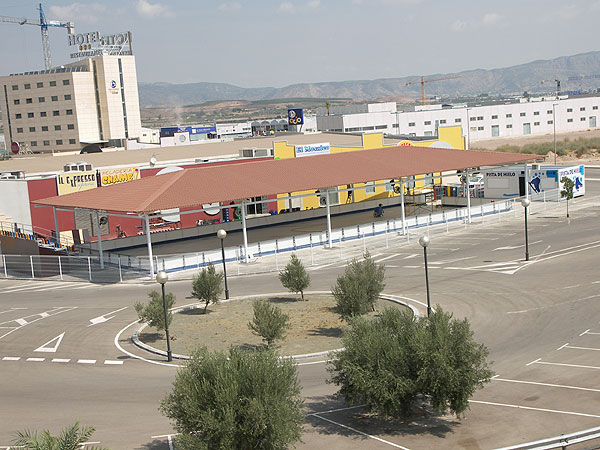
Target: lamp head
<point>162,277</point>
<point>424,241</point>
<point>221,234</point>
<point>525,202</point>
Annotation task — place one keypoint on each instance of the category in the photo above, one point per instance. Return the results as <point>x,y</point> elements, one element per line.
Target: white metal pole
<point>31,262</point>
<point>99,234</point>
<point>402,205</point>
<point>468,199</point>
<point>56,226</point>
<point>120,273</point>
<point>60,269</point>
<point>244,232</point>
<point>4,265</point>
<point>526,180</point>
<point>90,268</point>
<point>149,244</point>
<point>330,243</point>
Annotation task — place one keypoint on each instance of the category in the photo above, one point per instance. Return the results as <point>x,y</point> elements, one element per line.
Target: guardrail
<point>563,441</point>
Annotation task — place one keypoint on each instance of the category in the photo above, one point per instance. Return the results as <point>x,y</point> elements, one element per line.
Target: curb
<point>136,340</point>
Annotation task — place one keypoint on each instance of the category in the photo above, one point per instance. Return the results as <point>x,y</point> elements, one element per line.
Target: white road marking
<point>583,348</point>
<point>586,331</point>
<point>359,432</point>
<point>86,361</point>
<point>113,363</point>
<point>571,287</point>
<point>546,384</point>
<point>515,246</point>
<point>11,358</point>
<point>21,322</point>
<point>533,362</point>
<point>567,365</point>
<point>10,310</point>
<point>35,359</point>
<point>337,410</point>
<point>169,439</point>
<point>450,261</point>
<point>556,304</point>
<point>57,310</point>
<point>387,257</point>
<point>116,342</point>
<point>103,318</point>
<point>534,409</point>
<point>60,360</point>
<point>591,332</point>
<point>562,346</point>
<point>44,348</point>
<point>414,255</point>
<point>29,287</point>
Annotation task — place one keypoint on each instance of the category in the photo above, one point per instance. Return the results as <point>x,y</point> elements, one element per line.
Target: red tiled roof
<point>191,188</point>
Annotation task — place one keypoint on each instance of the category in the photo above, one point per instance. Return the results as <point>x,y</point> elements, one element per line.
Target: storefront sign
<point>94,44</point>
<point>70,182</point>
<point>295,116</point>
<point>312,149</point>
<point>117,176</point>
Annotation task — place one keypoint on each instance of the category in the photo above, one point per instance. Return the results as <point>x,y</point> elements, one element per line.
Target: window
<point>55,98</point>
<point>71,141</point>
<point>509,126</point>
<point>53,83</point>
<point>29,115</point>
<point>473,128</point>
<point>18,116</point>
<point>56,127</point>
<point>594,108</point>
<point>377,127</point>
<point>370,187</point>
<point>41,99</point>
<point>427,122</point>
<point>70,126</point>
<point>66,82</point>
<point>34,143</point>
<point>43,114</point>
<point>569,109</point>
<point>56,113</point>
<point>480,118</point>
<point>479,128</point>
<point>44,128</point>
<point>582,108</point>
<point>28,100</point>
<point>535,124</point>
<point>428,179</point>
<point>19,130</point>
<point>550,122</point>
<point>395,125</point>
<point>549,111</point>
<point>442,121</point>
<point>15,87</point>
<point>16,101</point>
<point>458,120</point>
<point>569,120</point>
<point>67,96</point>
<point>582,119</point>
<point>472,119</point>
<point>411,124</point>
<point>508,116</point>
<point>32,129</point>
<point>59,142</point>
<point>389,186</point>
<point>522,114</point>
<point>494,117</point>
<point>27,86</point>
<point>46,143</point>
<point>40,84</point>
<point>363,128</point>
<point>536,113</point>
<point>70,113</point>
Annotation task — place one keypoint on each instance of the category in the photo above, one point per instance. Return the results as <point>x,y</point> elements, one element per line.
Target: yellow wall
<point>449,137</point>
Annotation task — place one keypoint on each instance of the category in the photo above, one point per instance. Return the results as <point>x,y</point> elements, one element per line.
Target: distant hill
<point>509,80</point>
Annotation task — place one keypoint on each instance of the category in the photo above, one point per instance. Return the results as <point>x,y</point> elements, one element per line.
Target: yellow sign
<point>70,182</point>
<point>405,144</point>
<point>117,176</point>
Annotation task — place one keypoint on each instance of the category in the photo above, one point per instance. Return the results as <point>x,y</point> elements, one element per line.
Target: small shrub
<point>269,321</point>
<point>153,313</point>
<point>294,277</point>
<point>206,285</point>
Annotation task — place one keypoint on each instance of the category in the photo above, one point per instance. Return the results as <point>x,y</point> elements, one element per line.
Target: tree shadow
<point>155,445</point>
<point>332,332</point>
<point>194,311</point>
<point>149,338</point>
<point>284,299</point>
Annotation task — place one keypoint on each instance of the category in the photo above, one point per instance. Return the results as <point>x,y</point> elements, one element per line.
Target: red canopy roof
<point>193,187</point>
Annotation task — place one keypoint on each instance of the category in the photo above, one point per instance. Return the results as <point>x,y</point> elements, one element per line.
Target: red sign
<point>14,147</point>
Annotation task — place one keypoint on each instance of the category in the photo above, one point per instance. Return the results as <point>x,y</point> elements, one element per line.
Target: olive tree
<point>269,321</point>
<point>236,400</point>
<point>153,312</point>
<point>567,191</point>
<point>357,290</point>
<point>206,285</point>
<point>294,276</point>
<point>391,361</point>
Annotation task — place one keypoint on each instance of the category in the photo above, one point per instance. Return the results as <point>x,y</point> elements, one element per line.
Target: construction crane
<point>43,24</point>
<point>557,81</point>
<point>423,81</point>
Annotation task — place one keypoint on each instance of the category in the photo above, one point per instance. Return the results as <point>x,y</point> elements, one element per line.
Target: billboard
<point>69,182</point>
<point>117,176</point>
<point>312,149</point>
<point>295,116</point>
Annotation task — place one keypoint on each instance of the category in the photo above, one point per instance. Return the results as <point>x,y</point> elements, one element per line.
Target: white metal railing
<point>563,441</point>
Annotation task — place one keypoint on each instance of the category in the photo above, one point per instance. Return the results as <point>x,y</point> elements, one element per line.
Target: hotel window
<point>43,114</point>
<point>569,120</point>
<point>53,83</point>
<point>34,143</point>
<point>18,116</point>
<point>15,87</point>
<point>522,114</point>
<point>509,126</point>
<point>66,82</point>
<point>550,122</point>
<point>56,113</point>
<point>29,115</point>
<point>46,143</point>
<point>549,111</point>
<point>41,99</point>
<point>582,119</point>
<point>458,120</point>
<point>427,122</point>
<point>411,124</point>
<point>582,108</point>
<point>70,113</point>
<point>71,141</point>
<point>70,126</point>
<point>59,142</point>
<point>19,130</point>
<point>594,108</point>
<point>40,84</point>
<point>67,96</point>
<point>27,86</point>
<point>479,128</point>
<point>494,117</point>
<point>472,119</point>
<point>32,129</point>
<point>535,124</point>
<point>536,113</point>
<point>28,100</point>
<point>45,128</point>
<point>569,109</point>
<point>56,127</point>
<point>55,98</point>
<point>16,101</point>
<point>480,118</point>
<point>508,116</point>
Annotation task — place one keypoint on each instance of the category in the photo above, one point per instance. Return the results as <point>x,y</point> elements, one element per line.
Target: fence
<point>563,442</point>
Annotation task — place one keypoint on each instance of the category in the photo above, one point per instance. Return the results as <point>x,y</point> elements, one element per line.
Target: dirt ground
<point>315,326</point>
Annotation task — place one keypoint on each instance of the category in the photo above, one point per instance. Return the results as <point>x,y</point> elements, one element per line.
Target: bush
<point>206,285</point>
<point>357,290</point>
<point>269,321</point>
<point>153,313</point>
<point>391,361</point>
<point>294,277</point>
<point>236,400</point>
<point>70,438</point>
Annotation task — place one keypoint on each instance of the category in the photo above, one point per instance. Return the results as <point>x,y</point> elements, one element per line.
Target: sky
<point>275,43</point>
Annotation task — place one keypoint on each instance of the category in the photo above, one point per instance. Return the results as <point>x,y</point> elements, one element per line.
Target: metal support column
<point>57,231</point>
<point>244,232</point>
<point>99,234</point>
<point>149,243</point>
<point>468,191</point>
<point>402,205</point>
<point>329,241</point>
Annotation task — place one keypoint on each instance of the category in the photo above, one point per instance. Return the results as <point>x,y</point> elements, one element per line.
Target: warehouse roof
<point>191,188</point>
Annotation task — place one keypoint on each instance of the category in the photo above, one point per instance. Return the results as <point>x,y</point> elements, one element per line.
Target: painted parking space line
<point>35,359</point>
<point>530,408</point>
<point>585,332</point>
<point>580,366</point>
<point>582,348</point>
<point>536,383</point>
<point>86,361</point>
<point>113,363</point>
<point>11,358</point>
<point>11,310</point>
<point>61,360</point>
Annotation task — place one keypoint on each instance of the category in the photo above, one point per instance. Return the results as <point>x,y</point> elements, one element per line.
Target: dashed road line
<point>60,360</point>
<point>11,358</point>
<point>35,359</point>
<point>113,363</point>
<point>86,361</point>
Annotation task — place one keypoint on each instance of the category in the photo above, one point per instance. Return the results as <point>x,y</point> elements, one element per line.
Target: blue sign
<point>295,116</point>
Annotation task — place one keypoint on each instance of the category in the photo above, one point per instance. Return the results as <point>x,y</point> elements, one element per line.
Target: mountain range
<point>535,76</point>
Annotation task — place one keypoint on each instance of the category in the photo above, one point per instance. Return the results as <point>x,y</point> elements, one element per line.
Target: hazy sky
<point>254,43</point>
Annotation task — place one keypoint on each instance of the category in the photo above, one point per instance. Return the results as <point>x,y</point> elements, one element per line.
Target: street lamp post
<point>554,125</point>
<point>162,278</point>
<point>525,202</point>
<point>222,234</point>
<point>424,241</point>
